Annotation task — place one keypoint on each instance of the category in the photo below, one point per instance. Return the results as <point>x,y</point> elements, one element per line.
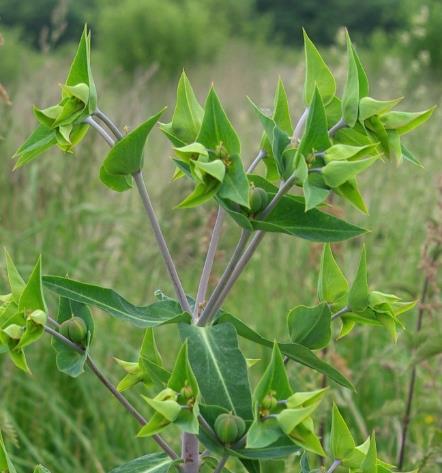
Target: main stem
<point>333,466</point>
<point>113,390</point>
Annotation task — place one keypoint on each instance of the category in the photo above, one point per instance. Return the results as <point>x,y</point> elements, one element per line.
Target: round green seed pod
<point>74,328</point>
<point>229,428</point>
<point>259,200</point>
<point>269,402</point>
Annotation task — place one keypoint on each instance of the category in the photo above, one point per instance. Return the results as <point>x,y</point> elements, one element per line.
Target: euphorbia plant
<point>207,393</point>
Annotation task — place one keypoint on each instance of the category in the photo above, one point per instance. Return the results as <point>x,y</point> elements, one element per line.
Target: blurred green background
<point>58,207</point>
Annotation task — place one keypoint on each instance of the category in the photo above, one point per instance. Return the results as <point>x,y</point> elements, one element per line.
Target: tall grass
<point>58,207</point>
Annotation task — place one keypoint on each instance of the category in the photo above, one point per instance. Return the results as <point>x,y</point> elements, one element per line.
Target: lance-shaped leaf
<point>356,85</point>
<point>281,119</point>
<point>41,469</point>
<point>304,399</point>
<point>310,326</point>
<point>187,116</point>
<point>341,440</point>
<point>337,173</point>
<point>339,152</point>
<point>358,297</point>
<point>147,369</point>
<point>368,107</point>
<point>5,462</point>
<point>294,351</point>
<point>32,297</point>
<point>317,74</point>
<point>126,156</point>
<point>332,284</point>
<point>289,217</point>
<point>42,139</point>
<point>315,191</point>
<point>158,313</point>
<point>350,191</point>
<point>71,362</point>
<point>220,367</point>
<point>274,143</point>
<point>404,122</point>
<point>116,183</point>
<point>216,128</point>
<point>203,192</point>
<point>218,134</point>
<point>152,463</point>
<point>80,71</point>
<point>15,280</point>
<point>369,465</point>
<point>408,155</point>
<point>315,137</point>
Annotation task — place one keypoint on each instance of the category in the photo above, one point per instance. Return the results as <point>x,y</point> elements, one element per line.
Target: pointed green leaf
<point>369,107</point>
<point>5,462</point>
<point>339,152</point>
<point>158,313</point>
<point>356,86</point>
<point>337,173</point>
<point>80,71</point>
<point>203,192</point>
<point>315,137</point>
<point>358,297</point>
<point>317,74</point>
<point>32,296</point>
<point>126,156</point>
<point>216,168</point>
<point>216,128</point>
<point>350,191</point>
<point>220,367</point>
<point>235,186</point>
<point>341,440</point>
<point>114,182</point>
<point>38,142</point>
<point>16,282</point>
<point>152,463</point>
<point>369,465</point>
<point>332,283</point>
<point>310,326</point>
<point>187,117</point>
<point>404,122</point>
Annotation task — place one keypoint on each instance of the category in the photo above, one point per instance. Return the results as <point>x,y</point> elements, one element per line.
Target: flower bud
<point>14,331</point>
<point>229,428</point>
<point>259,200</point>
<point>74,328</point>
<point>39,317</point>
<point>187,391</point>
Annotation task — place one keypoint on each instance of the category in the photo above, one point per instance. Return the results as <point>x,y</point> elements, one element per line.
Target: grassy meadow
<point>58,207</point>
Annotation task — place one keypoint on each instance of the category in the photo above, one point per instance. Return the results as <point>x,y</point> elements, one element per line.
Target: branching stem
<point>333,466</point>
<point>113,390</point>
<point>221,464</point>
<point>142,190</point>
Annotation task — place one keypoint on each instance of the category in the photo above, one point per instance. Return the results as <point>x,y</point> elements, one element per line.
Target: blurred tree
<point>322,19</point>
<point>47,22</point>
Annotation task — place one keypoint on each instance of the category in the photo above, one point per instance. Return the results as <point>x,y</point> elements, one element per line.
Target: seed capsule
<point>269,402</point>
<point>259,200</point>
<point>229,428</point>
<point>74,328</point>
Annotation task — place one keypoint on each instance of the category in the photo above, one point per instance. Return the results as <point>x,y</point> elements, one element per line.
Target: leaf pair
<point>178,403</point>
<point>361,458</point>
<point>278,412</point>
<point>22,314</point>
<point>62,124</point>
<point>356,303</point>
<point>193,126</point>
<point>148,369</point>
